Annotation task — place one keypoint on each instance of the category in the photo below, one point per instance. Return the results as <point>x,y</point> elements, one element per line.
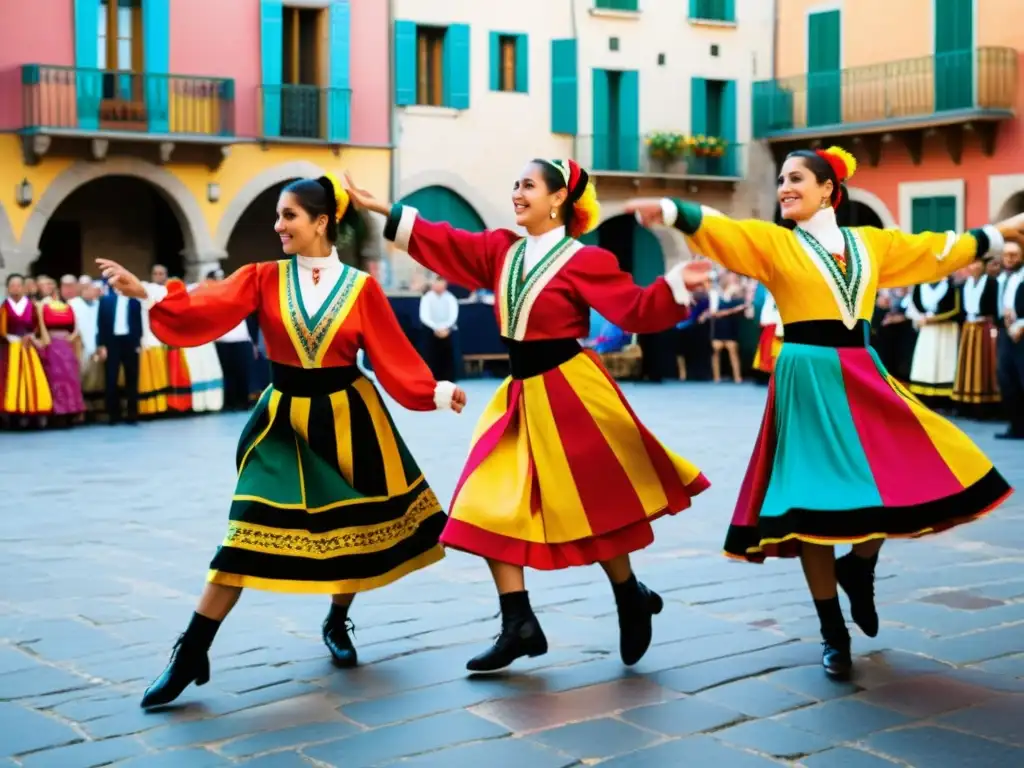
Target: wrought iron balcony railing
<point>908,91</point>
<point>305,112</point>
<point>77,99</point>
<point>630,154</point>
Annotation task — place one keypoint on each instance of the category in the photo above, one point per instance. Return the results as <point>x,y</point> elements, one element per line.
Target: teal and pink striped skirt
<point>846,454</point>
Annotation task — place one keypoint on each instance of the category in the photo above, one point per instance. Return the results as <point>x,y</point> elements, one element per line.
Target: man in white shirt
<point>1010,345</point>
<point>237,352</point>
<point>439,313</point>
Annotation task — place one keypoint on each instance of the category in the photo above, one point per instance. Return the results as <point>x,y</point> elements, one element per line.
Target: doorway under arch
<point>1013,206</point>
<point>637,248</point>
<point>253,237</point>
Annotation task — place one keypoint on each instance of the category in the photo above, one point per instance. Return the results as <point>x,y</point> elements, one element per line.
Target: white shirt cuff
<point>1017,325</point>
<point>443,395</point>
<point>154,294</point>
<point>669,212</point>
<point>995,240</point>
<point>675,280</point>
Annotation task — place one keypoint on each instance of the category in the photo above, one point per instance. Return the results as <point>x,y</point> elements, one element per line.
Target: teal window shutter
<point>602,141</point>
<point>629,121</point>
<point>271,40</point>
<point>921,215</point>
<point>824,78</point>
<point>698,106</point>
<point>339,116</point>
<point>731,160</point>
<point>522,64</point>
<point>495,38</point>
<point>156,35</point>
<point>456,67</point>
<point>405,63</point>
<point>944,215</point>
<point>564,87</point>
<point>730,11</point>
<point>88,81</point>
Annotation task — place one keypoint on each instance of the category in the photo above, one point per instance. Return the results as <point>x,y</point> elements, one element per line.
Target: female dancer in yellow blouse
<point>846,455</point>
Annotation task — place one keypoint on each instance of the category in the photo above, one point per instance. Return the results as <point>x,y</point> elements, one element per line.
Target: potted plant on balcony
<point>665,148</point>
<point>708,146</point>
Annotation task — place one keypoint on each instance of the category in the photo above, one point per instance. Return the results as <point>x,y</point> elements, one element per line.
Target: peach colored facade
<point>879,31</point>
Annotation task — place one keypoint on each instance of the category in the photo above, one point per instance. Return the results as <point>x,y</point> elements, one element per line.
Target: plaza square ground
<point>106,533</point>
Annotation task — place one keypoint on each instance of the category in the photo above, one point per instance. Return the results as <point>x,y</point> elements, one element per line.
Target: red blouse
<point>58,316</point>
<point>355,315</point>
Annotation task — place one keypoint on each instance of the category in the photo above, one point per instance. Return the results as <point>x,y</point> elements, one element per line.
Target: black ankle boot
<point>520,636</point>
<point>336,629</point>
<point>637,605</point>
<point>189,664</point>
<point>856,575</point>
<point>835,656</point>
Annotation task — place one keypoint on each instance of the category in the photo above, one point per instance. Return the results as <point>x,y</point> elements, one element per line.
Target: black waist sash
<point>312,382</point>
<point>532,358</point>
<point>827,333</point>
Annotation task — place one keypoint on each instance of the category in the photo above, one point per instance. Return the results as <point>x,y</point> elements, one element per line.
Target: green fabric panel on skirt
<point>819,462</point>
<point>272,469</point>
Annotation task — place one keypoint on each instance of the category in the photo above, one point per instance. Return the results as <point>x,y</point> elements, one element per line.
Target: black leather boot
<point>637,605</point>
<point>339,643</point>
<point>835,656</point>
<point>856,575</point>
<point>189,664</point>
<point>521,635</point>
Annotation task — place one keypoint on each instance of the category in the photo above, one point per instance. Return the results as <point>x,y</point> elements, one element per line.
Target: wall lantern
<point>213,192</point>
<point>23,193</point>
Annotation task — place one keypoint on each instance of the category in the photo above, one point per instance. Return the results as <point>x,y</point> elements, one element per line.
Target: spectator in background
<point>439,313</point>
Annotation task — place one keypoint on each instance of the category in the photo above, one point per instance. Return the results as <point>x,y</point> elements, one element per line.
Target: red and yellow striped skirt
<point>768,347</point>
<point>561,473</point>
<point>24,389</point>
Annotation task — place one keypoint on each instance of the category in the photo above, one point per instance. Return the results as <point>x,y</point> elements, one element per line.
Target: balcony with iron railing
<point>632,156</point>
<point>960,86</point>
<point>75,101</point>
<point>305,113</point>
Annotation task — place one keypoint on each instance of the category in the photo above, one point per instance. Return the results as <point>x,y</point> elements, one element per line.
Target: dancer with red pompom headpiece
<point>862,461</point>
<point>561,472</point>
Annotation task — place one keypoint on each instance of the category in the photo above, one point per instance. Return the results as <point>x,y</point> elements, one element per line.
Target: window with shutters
<point>617,5</point>
<point>120,49</point>
<point>509,62</point>
<point>303,110</point>
<point>430,66</point>
<point>933,214</point>
<point>506,63</point>
<point>713,10</point>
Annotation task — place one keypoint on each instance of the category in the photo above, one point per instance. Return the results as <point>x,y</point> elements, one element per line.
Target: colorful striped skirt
<point>153,381</point>
<point>846,454</point>
<point>976,382</point>
<point>328,498</point>
<point>179,381</point>
<point>24,390</point>
<point>933,369</point>
<point>768,348</point>
<point>561,472</point>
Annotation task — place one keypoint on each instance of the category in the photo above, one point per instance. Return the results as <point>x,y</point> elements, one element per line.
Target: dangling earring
<point>825,203</point>
<point>554,212</point>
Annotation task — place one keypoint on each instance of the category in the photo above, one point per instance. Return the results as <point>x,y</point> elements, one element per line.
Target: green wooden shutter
<point>629,121</point>
<point>156,34</point>
<point>88,81</point>
<point>405,63</point>
<point>921,215</point>
<point>824,76</point>
<point>495,38</point>
<point>456,67</point>
<point>564,87</point>
<point>698,106</point>
<point>522,64</point>
<point>339,118</point>
<point>729,12</point>
<point>730,162</point>
<point>600,137</point>
<point>954,54</point>
<point>271,42</point>
<point>933,214</point>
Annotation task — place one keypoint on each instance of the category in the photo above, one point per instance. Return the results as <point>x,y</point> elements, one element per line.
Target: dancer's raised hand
<point>648,210</point>
<point>121,280</point>
<point>364,198</point>
<point>458,400</point>
<point>695,273</point>
<point>1013,228</point>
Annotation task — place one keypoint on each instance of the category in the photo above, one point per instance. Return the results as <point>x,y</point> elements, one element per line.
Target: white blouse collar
<point>331,261</point>
<point>825,229</point>
<point>547,241</point>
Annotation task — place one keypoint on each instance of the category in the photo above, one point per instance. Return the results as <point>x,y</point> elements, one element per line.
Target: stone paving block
<point>941,748</point>
<point>64,640</point>
<point>1000,718</point>
<point>135,720</point>
<point>297,736</point>
<point>23,730</point>
<point>890,666</point>
<point>844,720</point>
<point>773,738</point>
<point>86,754</point>
<point>696,650</point>
<point>14,660</point>
<point>949,621</point>
<point>427,701</point>
<point>278,760</point>
<point>811,681</point>
<point>494,753</point>
<point>39,681</point>
<point>123,671</point>
<point>395,741</point>
<point>708,674</point>
<point>982,679</point>
<point>596,739</point>
<point>683,717</point>
<point>926,696</point>
<point>251,678</point>
<point>979,646</point>
<point>1008,666</point>
<point>846,757</point>
<point>82,710</point>
<point>696,751</point>
<point>755,698</point>
<point>177,758</point>
<point>224,703</point>
<point>545,710</point>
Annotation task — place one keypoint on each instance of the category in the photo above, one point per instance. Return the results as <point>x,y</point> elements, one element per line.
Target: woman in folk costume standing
<point>328,500</point>
<point>845,454</point>
<point>24,390</point>
<point>935,311</point>
<point>976,390</point>
<point>561,472</point>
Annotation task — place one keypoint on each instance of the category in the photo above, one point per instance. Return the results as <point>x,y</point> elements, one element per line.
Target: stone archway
<point>10,256</point>
<point>199,246</point>
<point>1011,206</point>
<point>256,186</point>
<point>874,202</point>
<point>492,218</point>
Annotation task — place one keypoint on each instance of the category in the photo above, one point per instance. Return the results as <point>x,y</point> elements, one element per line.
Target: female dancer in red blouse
<point>328,500</point>
<point>561,472</point>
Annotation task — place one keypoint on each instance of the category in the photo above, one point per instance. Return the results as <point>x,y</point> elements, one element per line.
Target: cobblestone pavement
<point>106,534</point>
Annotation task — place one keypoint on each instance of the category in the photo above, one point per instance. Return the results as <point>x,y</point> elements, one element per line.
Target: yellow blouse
<point>800,267</point>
